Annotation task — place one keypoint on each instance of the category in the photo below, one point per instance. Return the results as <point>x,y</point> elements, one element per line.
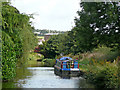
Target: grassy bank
<point>104,75</point>
<point>36,59</point>
<point>101,67</point>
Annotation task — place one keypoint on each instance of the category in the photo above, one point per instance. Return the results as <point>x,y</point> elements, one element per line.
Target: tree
<point>97,25</point>
<point>56,45</point>
<point>17,39</point>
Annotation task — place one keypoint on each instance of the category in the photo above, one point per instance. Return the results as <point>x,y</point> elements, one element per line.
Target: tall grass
<point>101,67</point>
<point>105,53</point>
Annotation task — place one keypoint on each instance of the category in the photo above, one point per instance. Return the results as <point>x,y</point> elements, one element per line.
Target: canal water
<point>43,77</point>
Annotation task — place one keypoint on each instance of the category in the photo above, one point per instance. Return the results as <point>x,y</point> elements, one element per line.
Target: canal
<point>43,77</point>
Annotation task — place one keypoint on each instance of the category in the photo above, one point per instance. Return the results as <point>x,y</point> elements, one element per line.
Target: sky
<point>50,14</point>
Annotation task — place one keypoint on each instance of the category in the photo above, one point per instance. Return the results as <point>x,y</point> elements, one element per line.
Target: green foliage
<point>98,68</point>
<point>8,57</point>
<point>50,48</point>
<point>56,45</point>
<point>103,76</point>
<point>105,53</point>
<point>97,24</point>
<point>34,60</point>
<point>18,39</point>
<point>49,62</point>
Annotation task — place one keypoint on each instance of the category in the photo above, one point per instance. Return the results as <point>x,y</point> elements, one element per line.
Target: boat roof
<point>65,58</point>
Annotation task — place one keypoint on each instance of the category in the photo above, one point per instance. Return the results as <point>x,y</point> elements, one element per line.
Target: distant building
<point>44,37</point>
<point>40,41</point>
<point>37,33</point>
<point>47,35</point>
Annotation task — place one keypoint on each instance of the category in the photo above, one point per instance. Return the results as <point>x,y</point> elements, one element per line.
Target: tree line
<point>98,24</point>
<point>17,39</point>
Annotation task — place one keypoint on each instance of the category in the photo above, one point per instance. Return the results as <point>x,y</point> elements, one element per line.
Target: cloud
<point>48,5</point>
<point>50,14</point>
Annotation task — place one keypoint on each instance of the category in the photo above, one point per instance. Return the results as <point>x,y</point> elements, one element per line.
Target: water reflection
<point>43,77</point>
<point>21,74</point>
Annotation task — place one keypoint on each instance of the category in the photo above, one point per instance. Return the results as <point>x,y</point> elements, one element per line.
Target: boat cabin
<point>66,65</point>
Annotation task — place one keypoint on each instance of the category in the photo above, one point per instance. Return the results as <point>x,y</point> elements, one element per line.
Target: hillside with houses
<point>44,35</point>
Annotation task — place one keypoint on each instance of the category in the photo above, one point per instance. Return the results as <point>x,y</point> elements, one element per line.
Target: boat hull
<point>66,72</point>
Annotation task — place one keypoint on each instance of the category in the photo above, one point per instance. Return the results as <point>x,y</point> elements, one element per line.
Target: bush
<point>103,76</point>
<point>83,64</point>
<point>8,58</point>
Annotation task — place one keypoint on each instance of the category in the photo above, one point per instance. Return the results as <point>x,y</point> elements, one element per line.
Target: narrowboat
<point>66,67</point>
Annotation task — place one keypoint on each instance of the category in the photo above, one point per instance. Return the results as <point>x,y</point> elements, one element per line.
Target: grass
<point>32,59</point>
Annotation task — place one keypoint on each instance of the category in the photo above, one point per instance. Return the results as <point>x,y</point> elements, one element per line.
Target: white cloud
<point>50,14</point>
<point>47,7</point>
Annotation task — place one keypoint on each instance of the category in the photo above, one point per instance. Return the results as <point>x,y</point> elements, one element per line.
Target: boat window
<point>72,64</point>
<point>68,64</point>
